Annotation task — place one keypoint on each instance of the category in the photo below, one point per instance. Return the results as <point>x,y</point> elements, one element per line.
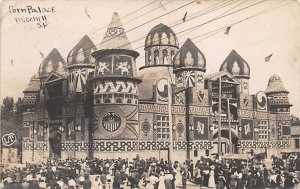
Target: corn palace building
<point>97,104</point>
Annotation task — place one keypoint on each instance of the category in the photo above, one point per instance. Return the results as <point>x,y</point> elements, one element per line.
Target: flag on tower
<point>268,58</point>
<point>227,30</point>
<point>42,55</point>
<point>184,17</point>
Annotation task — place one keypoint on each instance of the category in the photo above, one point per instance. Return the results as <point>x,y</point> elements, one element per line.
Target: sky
<point>275,32</point>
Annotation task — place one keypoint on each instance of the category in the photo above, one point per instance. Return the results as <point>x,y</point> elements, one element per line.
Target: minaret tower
<point>115,84</point>
<point>280,105</point>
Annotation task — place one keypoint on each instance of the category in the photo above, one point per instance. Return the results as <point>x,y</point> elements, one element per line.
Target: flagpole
<point>219,121</point>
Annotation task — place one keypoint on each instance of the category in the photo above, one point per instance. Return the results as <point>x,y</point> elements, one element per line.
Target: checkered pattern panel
<point>203,145</point>
<point>280,144</point>
<point>39,146</point>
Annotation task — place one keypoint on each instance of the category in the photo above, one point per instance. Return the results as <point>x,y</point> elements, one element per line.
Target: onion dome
<point>236,65</point>
<point>189,57</point>
<point>53,62</point>
<point>115,36</point>
<point>34,84</point>
<point>81,53</point>
<point>161,35</point>
<point>275,85</point>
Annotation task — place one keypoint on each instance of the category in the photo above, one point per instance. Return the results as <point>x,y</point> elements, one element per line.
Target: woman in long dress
<point>168,180</point>
<point>178,178</point>
<point>161,179</point>
<point>211,180</point>
<point>152,180</point>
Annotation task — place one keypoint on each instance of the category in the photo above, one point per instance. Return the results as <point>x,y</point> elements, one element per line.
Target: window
<point>163,131</point>
<point>263,130</point>
<point>119,100</point>
<point>195,153</point>
<point>297,143</point>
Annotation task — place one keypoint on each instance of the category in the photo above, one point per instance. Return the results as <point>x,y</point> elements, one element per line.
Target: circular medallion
<point>261,99</point>
<point>145,127</point>
<point>180,128</point>
<point>111,121</point>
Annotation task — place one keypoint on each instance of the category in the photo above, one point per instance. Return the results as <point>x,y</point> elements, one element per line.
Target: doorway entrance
<point>225,141</point>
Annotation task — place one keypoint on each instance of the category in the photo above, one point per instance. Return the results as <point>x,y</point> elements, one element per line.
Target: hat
<point>212,167</point>
<point>220,172</point>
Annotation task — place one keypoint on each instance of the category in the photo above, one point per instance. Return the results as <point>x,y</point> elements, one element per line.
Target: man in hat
<point>280,179</point>
<point>117,180</point>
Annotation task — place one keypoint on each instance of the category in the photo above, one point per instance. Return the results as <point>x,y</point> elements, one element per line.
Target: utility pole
<point>219,121</point>
<point>170,120</point>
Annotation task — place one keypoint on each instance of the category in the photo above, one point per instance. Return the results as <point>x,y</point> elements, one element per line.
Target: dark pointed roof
<point>115,36</point>
<point>275,85</point>
<point>81,52</point>
<point>235,65</point>
<point>161,35</point>
<point>34,84</point>
<point>53,62</point>
<point>189,56</point>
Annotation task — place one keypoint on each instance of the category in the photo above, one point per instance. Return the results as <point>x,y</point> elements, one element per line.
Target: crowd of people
<point>151,173</point>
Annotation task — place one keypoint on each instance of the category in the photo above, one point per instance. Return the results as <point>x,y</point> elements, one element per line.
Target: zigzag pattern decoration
<point>116,86</point>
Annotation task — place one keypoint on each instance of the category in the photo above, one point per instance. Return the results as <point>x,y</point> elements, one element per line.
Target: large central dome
<point>161,35</point>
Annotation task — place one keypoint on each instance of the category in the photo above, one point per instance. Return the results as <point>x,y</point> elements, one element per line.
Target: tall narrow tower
<point>280,105</point>
<point>115,83</point>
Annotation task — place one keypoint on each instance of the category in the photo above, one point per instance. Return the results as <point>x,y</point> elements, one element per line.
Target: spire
<point>115,36</point>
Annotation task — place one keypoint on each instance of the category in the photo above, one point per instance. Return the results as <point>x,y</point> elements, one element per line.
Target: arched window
<point>129,101</point>
<point>172,56</point>
<point>107,100</point>
<point>97,101</point>
<point>119,100</point>
<point>156,57</point>
<point>149,57</point>
<point>165,56</point>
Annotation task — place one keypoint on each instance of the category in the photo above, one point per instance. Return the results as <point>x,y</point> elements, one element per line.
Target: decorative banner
<point>261,101</point>
<point>189,78</point>
<point>162,90</point>
<point>180,97</point>
<point>201,128</point>
<point>180,128</point>
<point>247,129</point>
<point>9,139</point>
<point>41,131</point>
<point>80,79</point>
<point>245,101</point>
<point>70,128</point>
<point>200,96</point>
<point>122,65</point>
<point>179,79</point>
<point>112,86</point>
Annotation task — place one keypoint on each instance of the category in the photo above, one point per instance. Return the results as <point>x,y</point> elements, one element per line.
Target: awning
<point>236,156</point>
